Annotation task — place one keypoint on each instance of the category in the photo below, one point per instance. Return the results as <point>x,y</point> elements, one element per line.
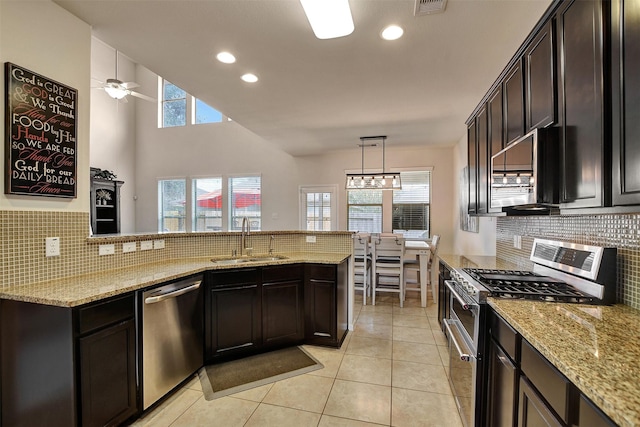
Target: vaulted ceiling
<point>317,95</point>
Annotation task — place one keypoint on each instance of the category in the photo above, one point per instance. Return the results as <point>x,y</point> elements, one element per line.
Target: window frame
<point>164,102</point>
<point>314,189</point>
<point>229,208</point>
<point>160,212</point>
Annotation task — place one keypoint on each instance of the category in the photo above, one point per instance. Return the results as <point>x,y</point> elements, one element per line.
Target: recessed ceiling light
<point>392,32</point>
<point>250,78</point>
<point>329,18</point>
<point>226,57</point>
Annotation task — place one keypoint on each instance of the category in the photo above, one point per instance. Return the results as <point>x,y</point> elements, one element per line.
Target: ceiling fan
<point>117,89</point>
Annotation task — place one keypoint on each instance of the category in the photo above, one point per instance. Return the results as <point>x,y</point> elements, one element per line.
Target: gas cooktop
<point>527,285</point>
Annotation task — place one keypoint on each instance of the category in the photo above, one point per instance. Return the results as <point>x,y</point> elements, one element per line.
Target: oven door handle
<point>463,356</point>
<point>465,305</point>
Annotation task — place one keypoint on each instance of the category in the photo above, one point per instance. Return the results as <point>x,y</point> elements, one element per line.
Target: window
<point>174,105</point>
<point>411,204</point>
<point>171,204</point>
<point>318,211</point>
<point>204,113</point>
<point>245,201</point>
<point>207,208</point>
<point>364,210</point>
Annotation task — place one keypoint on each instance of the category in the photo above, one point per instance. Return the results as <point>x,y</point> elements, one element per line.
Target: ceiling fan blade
<point>141,96</point>
<point>130,85</point>
<point>97,80</point>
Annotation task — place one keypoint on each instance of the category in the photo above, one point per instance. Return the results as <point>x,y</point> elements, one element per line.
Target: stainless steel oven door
<point>463,367</point>
<point>466,312</point>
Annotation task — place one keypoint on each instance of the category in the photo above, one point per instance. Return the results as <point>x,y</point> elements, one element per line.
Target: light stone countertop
<point>78,290</point>
<point>596,347</point>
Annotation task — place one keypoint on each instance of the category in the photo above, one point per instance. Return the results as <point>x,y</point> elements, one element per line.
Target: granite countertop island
<point>596,347</point>
<point>78,290</point>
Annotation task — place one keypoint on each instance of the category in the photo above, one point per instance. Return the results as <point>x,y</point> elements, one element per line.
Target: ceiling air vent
<point>427,7</point>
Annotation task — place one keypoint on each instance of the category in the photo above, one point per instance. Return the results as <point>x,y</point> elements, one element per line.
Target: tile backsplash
<point>611,230</point>
<point>23,234</point>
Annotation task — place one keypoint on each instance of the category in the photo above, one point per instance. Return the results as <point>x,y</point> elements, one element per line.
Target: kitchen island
<point>70,347</point>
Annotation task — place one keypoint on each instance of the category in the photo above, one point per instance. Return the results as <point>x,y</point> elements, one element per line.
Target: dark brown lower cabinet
<point>590,416</point>
<point>233,319</point>
<point>503,383</point>
<point>525,390</point>
<point>534,412</point>
<point>108,375</point>
<point>282,305</point>
<point>65,366</point>
<point>326,304</point>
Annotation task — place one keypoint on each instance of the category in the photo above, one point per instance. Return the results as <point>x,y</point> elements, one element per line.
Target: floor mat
<point>226,378</point>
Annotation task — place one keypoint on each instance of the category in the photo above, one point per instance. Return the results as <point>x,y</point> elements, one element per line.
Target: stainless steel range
<point>562,272</point>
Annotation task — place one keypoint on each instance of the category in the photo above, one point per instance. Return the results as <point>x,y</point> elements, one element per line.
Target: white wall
<point>46,39</point>
<point>113,126</point>
<point>209,150</point>
<point>467,243</point>
<point>330,168</point>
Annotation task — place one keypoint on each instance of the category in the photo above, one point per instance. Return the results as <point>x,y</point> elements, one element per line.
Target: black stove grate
<point>526,285</point>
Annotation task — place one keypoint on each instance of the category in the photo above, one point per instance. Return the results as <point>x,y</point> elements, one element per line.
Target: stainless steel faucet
<point>246,224</point>
<point>272,238</point>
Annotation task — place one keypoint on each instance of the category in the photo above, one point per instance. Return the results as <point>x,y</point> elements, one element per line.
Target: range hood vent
<point>428,7</point>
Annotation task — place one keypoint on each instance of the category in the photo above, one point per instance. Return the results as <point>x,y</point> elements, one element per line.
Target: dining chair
<point>411,267</point>
<point>388,275</point>
<point>362,264</point>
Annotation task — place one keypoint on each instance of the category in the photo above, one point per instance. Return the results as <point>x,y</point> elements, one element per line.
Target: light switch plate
<point>109,249</point>
<point>311,239</point>
<point>128,247</point>
<point>146,245</point>
<point>158,244</point>
<point>52,246</point>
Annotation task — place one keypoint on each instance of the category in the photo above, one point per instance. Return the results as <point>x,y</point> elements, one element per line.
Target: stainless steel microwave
<point>524,175</point>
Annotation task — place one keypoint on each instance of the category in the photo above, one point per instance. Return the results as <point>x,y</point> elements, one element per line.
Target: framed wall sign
<point>40,140</point>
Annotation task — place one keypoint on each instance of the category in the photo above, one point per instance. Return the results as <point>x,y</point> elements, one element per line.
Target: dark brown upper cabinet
<point>540,72</point>
<point>625,65</point>
<point>472,159</point>
<point>495,119</point>
<point>581,107</point>
<point>513,88</point>
<point>483,162</point>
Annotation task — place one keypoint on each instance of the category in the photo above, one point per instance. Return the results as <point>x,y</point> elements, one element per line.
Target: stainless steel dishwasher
<point>172,336</point>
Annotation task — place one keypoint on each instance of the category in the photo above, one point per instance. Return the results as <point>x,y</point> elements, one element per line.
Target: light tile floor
<point>390,371</point>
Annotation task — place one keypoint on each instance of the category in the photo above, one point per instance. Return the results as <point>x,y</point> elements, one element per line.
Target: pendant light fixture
<point>373,181</point>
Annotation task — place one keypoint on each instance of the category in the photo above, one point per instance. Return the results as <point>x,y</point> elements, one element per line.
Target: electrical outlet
<point>109,249</point>
<point>517,241</point>
<point>128,247</point>
<point>311,239</point>
<point>158,244</point>
<point>146,245</point>
<point>52,246</point>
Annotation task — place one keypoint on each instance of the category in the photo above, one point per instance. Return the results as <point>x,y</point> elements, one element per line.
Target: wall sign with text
<point>41,130</point>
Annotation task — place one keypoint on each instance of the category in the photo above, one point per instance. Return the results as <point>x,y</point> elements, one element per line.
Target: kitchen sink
<point>244,260</point>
